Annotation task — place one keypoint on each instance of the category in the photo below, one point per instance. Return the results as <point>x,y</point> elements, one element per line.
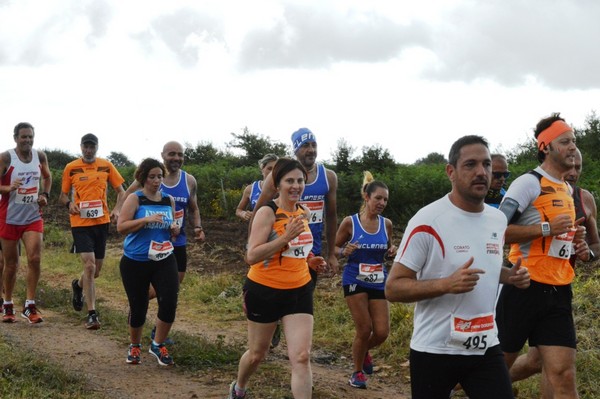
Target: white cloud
<point>141,73</point>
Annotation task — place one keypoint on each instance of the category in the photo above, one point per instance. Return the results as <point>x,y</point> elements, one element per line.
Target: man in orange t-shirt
<point>84,187</point>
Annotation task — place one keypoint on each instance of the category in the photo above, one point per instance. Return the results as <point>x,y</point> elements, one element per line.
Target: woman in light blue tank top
<point>147,217</point>
<point>365,239</point>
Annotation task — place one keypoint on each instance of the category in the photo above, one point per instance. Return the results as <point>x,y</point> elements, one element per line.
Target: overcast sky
<point>409,76</point>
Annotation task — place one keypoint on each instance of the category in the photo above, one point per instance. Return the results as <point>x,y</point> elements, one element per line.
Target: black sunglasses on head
<point>498,175</point>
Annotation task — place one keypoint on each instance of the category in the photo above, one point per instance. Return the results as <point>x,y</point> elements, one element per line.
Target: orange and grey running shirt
<point>541,198</point>
<point>89,182</point>
<point>287,268</point>
<point>20,206</point>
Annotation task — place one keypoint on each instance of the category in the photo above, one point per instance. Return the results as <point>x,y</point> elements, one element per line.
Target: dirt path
<point>102,361</point>
<point>101,358</point>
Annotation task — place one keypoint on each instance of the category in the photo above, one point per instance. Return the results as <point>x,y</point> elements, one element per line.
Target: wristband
<point>68,204</point>
<point>45,193</point>
<point>198,228</point>
<point>592,255</point>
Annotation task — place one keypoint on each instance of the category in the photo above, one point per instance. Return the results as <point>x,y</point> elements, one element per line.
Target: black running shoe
<point>77,295</point>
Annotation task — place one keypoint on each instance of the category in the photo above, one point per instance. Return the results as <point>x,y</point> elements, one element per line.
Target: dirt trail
<point>101,358</point>
<point>102,361</point>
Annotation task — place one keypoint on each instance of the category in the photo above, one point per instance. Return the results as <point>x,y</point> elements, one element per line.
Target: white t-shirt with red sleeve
<point>438,240</point>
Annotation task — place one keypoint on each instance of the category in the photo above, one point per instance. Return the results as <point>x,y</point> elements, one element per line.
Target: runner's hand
<point>519,276</point>
<point>464,279</point>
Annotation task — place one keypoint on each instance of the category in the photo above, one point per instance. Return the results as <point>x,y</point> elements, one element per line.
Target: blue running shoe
<point>358,380</point>
<point>161,354</point>
<point>134,353</point>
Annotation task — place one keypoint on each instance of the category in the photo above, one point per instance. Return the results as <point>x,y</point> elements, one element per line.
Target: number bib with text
<point>562,245</point>
<point>159,250</point>
<point>91,209</point>
<point>473,334</point>
<point>300,246</point>
<point>179,217</point>
<point>316,211</point>
<point>370,273</point>
<point>26,195</point>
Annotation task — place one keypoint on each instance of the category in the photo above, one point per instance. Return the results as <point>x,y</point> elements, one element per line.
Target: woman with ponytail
<point>365,239</point>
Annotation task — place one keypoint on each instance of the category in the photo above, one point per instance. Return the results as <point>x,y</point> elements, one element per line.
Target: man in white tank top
<point>22,169</point>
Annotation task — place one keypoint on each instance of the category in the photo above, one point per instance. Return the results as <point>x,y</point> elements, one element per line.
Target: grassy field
<point>215,300</point>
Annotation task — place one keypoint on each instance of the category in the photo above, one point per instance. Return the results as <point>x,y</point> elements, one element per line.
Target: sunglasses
<point>498,175</point>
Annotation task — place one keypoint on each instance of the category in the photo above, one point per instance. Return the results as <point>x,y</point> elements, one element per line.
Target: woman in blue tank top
<point>365,239</point>
<point>147,217</point>
<point>252,191</point>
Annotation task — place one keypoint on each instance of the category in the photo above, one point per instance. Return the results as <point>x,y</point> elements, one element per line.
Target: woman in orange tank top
<point>278,285</point>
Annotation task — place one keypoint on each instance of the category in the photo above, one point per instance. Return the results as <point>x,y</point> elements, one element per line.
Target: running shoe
<point>161,354</point>
<point>93,322</point>
<point>134,353</point>
<point>358,380</point>
<point>168,341</point>
<point>77,295</point>
<point>276,336</point>
<point>31,314</point>
<point>8,313</point>
<point>232,394</point>
<point>368,364</point>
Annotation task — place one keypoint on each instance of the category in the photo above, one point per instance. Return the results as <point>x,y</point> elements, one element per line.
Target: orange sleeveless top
<point>287,268</point>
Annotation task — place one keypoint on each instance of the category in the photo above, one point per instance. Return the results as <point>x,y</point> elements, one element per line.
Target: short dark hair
<point>285,165</point>
<point>460,143</point>
<point>542,125</point>
<point>23,125</point>
<point>142,171</point>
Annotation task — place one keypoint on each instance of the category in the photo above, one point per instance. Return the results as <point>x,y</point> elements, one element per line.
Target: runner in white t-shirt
<point>450,263</point>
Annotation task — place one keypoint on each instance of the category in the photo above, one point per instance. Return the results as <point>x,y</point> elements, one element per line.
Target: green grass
<point>24,375</point>
<point>215,300</point>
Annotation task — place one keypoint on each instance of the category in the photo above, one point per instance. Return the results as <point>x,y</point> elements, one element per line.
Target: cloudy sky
<point>409,76</point>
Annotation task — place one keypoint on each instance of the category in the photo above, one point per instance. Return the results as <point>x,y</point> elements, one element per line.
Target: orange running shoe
<point>31,314</point>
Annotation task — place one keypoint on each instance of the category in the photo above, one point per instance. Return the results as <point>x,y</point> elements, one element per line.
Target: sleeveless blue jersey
<point>314,198</point>
<point>181,194</point>
<point>254,194</point>
<point>136,245</point>
<point>365,265</point>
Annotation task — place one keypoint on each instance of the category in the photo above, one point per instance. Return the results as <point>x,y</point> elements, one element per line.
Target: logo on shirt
<point>492,249</point>
<point>461,248</point>
<point>557,203</point>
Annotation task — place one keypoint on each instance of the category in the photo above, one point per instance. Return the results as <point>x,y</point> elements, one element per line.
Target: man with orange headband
<point>585,207</point>
<point>542,232</point>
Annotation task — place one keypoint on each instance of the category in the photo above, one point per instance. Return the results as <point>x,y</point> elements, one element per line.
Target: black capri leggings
<point>137,277</point>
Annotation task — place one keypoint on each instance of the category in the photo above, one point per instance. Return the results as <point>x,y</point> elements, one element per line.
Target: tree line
<point>223,174</point>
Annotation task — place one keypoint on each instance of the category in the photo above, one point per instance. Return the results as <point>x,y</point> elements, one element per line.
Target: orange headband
<point>548,135</point>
